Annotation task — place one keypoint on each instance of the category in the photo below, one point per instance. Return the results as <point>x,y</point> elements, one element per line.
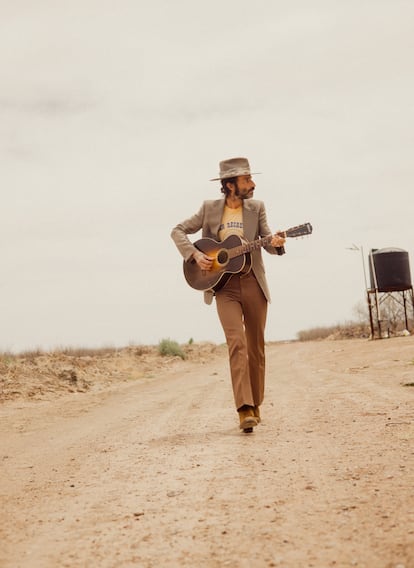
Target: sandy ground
<point>147,467</point>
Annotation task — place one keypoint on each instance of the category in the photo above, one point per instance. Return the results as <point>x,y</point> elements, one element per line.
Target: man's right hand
<point>204,262</point>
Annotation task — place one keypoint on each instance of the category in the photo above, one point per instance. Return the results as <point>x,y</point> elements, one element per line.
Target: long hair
<point>224,182</point>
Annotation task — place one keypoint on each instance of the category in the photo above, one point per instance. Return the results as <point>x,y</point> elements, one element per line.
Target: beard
<point>248,194</point>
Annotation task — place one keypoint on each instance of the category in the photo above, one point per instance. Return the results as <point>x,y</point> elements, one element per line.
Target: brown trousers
<point>242,309</point>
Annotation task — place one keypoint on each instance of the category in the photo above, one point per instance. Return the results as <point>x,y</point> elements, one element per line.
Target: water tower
<point>390,279</point>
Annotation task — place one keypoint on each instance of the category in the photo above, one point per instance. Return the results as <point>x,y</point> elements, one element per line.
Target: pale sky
<point>115,115</point>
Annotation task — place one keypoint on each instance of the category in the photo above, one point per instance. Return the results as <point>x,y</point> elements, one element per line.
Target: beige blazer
<point>208,219</point>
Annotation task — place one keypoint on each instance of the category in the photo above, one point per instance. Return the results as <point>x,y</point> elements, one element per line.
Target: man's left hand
<point>277,241</point>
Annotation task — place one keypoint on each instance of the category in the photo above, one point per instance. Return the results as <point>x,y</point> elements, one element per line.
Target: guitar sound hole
<point>222,257</point>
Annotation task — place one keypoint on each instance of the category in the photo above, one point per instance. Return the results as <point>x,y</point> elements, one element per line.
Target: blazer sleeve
<point>188,227</point>
<point>264,231</point>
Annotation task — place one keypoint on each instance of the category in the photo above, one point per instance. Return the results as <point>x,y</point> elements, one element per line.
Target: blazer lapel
<point>216,216</point>
<point>249,221</point>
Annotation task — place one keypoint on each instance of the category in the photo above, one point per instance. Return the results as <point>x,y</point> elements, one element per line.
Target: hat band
<point>236,172</point>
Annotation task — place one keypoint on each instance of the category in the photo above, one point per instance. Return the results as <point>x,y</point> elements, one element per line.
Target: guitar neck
<point>250,246</point>
<point>298,231</point>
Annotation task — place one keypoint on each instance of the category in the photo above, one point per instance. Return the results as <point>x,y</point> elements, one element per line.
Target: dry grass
<point>37,374</point>
<point>349,330</point>
<point>74,352</point>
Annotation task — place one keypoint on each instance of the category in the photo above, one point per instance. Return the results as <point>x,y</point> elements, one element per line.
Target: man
<point>242,301</point>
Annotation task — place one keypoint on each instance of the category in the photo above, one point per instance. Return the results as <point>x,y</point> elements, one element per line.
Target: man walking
<point>242,301</point>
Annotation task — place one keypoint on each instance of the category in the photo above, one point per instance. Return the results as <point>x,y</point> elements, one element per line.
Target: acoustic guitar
<point>229,257</point>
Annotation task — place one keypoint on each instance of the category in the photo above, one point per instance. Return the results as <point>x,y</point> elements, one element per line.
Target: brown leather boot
<point>247,418</point>
<point>256,412</point>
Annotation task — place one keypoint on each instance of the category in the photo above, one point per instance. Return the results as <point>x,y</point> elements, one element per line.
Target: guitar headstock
<point>299,231</point>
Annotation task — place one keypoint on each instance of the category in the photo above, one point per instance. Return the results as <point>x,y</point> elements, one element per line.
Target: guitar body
<point>229,257</point>
<point>223,266</point>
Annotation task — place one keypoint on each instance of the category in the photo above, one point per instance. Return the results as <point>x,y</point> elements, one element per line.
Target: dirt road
<point>155,473</point>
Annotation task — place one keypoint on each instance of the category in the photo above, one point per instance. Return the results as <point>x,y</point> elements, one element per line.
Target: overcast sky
<point>115,115</point>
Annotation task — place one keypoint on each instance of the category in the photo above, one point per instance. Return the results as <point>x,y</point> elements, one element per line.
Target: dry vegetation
<point>350,330</point>
<point>37,375</point>
<point>353,330</point>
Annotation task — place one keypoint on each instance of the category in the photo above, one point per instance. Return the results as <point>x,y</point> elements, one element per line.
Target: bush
<point>351,330</point>
<point>316,333</point>
<point>167,347</point>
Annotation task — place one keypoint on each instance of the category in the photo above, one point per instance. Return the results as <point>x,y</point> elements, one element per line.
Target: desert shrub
<point>316,333</point>
<point>168,347</point>
<point>85,351</point>
<point>349,330</point>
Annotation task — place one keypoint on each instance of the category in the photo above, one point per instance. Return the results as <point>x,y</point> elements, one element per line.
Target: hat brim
<point>229,177</point>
